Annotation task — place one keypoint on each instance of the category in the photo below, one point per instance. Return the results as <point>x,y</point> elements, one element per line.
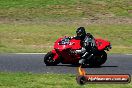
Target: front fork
<point>56,56</point>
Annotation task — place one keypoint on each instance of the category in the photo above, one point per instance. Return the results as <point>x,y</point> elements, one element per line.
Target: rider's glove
<point>70,37</point>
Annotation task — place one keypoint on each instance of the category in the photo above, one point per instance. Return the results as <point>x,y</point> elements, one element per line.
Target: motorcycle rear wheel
<point>98,59</point>
<point>48,59</point>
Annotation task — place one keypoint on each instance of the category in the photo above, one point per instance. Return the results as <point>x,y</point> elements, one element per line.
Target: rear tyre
<point>98,59</point>
<point>48,59</point>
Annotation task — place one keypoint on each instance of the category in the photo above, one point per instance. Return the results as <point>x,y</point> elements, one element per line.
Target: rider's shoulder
<point>88,34</point>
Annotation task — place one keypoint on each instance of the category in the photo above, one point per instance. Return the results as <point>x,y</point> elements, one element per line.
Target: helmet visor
<point>79,34</point>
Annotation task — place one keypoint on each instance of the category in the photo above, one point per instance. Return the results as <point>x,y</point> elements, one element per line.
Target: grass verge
<point>54,9</point>
<point>29,80</point>
<point>51,19</point>
<point>17,38</point>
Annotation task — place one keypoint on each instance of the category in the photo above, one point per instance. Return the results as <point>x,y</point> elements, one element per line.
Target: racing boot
<point>82,61</point>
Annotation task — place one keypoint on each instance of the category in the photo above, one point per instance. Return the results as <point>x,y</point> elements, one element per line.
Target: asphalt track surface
<point>116,64</point>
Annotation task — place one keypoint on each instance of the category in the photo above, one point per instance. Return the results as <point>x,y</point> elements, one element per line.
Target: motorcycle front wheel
<point>48,59</point>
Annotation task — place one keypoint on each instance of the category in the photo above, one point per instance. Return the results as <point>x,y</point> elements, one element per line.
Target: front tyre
<point>48,59</point>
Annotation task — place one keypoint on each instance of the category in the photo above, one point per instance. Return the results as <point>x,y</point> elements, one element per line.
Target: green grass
<point>63,9</point>
<point>41,37</point>
<point>30,80</point>
<point>34,25</point>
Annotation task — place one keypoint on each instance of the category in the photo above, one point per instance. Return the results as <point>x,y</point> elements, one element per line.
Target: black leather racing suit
<point>88,47</point>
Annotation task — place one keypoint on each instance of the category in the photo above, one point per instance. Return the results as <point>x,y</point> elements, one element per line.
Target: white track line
<point>46,53</point>
<point>128,54</point>
<point>28,53</point>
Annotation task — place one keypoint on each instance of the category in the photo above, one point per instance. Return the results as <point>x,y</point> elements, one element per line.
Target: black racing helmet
<point>81,33</point>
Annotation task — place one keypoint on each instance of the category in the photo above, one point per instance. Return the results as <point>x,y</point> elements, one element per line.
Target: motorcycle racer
<point>82,49</point>
<point>87,42</point>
